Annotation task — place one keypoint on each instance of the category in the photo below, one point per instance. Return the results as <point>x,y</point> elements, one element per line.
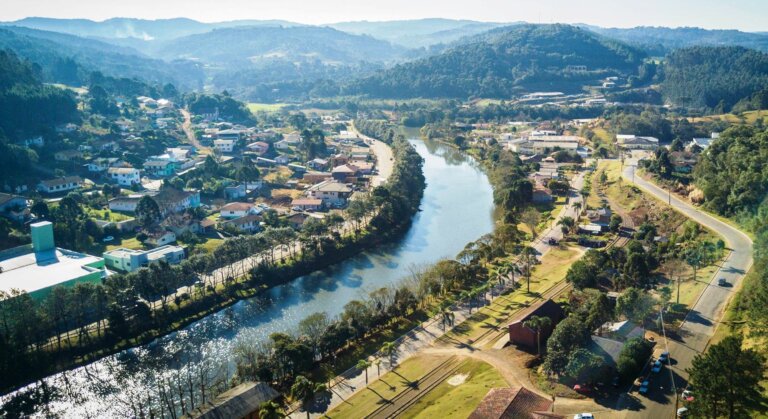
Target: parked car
<point>664,357</point>
<point>722,282</point>
<point>682,412</point>
<point>656,366</point>
<point>552,241</point>
<point>108,239</point>
<point>687,396</point>
<point>583,416</point>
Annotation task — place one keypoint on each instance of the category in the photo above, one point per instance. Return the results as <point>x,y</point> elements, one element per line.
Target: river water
<point>457,208</point>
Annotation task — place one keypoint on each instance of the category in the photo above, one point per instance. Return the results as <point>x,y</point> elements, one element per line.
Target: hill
<point>69,59</point>
<point>716,78</point>
<point>660,40</point>
<point>141,29</point>
<point>420,33</point>
<point>241,46</point>
<point>504,62</point>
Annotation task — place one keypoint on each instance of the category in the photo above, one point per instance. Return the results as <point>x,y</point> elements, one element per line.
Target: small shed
<point>521,335</point>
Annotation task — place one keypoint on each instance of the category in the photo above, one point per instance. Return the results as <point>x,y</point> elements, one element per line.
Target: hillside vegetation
<point>506,61</point>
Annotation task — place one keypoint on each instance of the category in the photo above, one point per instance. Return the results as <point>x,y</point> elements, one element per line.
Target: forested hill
<point>716,78</point>
<point>69,59</point>
<point>506,61</point>
<point>660,40</point>
<point>240,46</point>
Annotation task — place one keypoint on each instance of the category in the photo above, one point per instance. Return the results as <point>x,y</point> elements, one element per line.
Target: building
<point>236,210</point>
<point>239,402</point>
<point>32,142</point>
<point>168,199</point>
<point>158,236</point>
<point>513,403</point>
<point>332,193</point>
<point>224,146</point>
<point>542,196</point>
<point>39,267</point>
<point>307,204</point>
<point>235,191</point>
<point>13,207</point>
<point>233,135</point>
<point>318,164</point>
<point>543,144</point>
<point>635,142</point>
<point>259,147</point>
<point>251,223</point>
<point>344,172</point>
<point>101,164</point>
<point>521,335</point>
<point>160,168</point>
<point>129,260</point>
<point>68,155</point>
<point>62,184</point>
<point>125,176</point>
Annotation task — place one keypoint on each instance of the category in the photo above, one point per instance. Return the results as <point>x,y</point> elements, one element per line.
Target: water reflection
<point>457,208</point>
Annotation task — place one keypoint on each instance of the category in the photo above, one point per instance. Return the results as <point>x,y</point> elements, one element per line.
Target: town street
<point>703,319</point>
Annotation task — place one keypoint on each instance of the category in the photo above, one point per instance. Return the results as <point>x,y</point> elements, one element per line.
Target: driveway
<point>702,321</point>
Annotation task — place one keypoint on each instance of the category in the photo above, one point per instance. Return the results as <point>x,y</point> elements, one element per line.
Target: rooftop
<point>330,186</point>
<point>30,271</point>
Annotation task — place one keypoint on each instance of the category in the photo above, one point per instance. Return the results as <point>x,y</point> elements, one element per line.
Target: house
<point>261,161</point>
<point>315,177</point>
<point>235,192</point>
<point>13,207</point>
<point>344,172</point>
<point>249,224</point>
<point>181,223</point>
<point>101,164</point>
<point>513,403</point>
<point>67,155</point>
<point>224,146</point>
<point>293,138</point>
<point>233,135</point>
<point>541,196</point>
<point>61,184</point>
<point>239,402</point>
<point>307,204</point>
<point>173,200</point>
<point>318,164</point>
<point>521,335</point>
<point>283,145</point>
<point>236,210</point>
<point>601,217</point>
<point>297,220</point>
<point>338,160</point>
<point>158,236</point>
<point>623,330</point>
<point>331,192</point>
<point>39,267</point>
<point>634,142</point>
<point>259,147</point>
<point>32,142</point>
<point>125,176</point>
<point>161,168</point>
<point>683,161</point>
<point>129,260</point>
<point>282,159</point>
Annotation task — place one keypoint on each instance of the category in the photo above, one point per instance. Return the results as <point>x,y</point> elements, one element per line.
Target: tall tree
<point>147,211</point>
<point>538,324</point>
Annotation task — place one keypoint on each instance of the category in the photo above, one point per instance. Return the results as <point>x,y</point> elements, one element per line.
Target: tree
<point>633,357</point>
<point>529,258</point>
<point>363,365</point>
<point>635,304</point>
<point>304,390</point>
<point>728,380</point>
<point>583,365</point>
<point>147,211</point>
<point>699,255</point>
<point>538,324</point>
<point>531,218</point>
<point>615,222</point>
<point>271,410</point>
<point>676,269</point>
<point>567,224</point>
<point>582,275</point>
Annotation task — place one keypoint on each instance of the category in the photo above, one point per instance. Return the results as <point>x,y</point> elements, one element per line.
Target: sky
<point>747,15</point>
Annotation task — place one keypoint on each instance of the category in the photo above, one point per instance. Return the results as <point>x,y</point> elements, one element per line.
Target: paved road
<point>702,321</point>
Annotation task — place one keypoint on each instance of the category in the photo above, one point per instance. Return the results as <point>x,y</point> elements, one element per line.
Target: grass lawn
<point>131,243</point>
<point>551,271</point>
<point>266,107</point>
<point>106,215</point>
<point>211,244</point>
<point>750,117</point>
<point>458,401</point>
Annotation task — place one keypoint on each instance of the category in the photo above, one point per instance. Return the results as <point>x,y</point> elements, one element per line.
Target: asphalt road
<point>702,321</point>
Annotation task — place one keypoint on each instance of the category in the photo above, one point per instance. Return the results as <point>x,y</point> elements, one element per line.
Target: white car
<point>107,239</point>
<point>583,416</point>
<point>682,412</point>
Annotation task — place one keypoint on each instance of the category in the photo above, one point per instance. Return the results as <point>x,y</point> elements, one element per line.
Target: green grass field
<point>266,107</point>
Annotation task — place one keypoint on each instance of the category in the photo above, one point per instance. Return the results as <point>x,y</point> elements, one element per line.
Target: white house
<point>61,184</point>
<point>249,224</point>
<point>101,164</point>
<point>330,192</point>
<point>636,142</point>
<point>259,147</point>
<point>236,210</point>
<point>125,176</point>
<point>283,145</point>
<point>224,146</point>
<point>129,260</point>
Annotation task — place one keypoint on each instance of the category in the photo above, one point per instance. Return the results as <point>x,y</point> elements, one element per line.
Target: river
<point>457,208</point>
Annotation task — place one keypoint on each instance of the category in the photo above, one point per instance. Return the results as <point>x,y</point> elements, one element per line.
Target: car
<point>583,416</point>
<point>552,241</point>
<point>656,366</point>
<point>108,239</point>
<point>664,357</point>
<point>687,396</point>
<point>722,282</point>
<point>644,387</point>
<point>296,208</point>
<point>682,412</point>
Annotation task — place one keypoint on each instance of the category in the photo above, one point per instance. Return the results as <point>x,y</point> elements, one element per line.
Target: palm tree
<point>303,389</point>
<point>538,324</point>
<point>577,206</point>
<point>389,349</point>
<point>271,410</point>
<point>566,224</point>
<point>363,365</point>
<point>529,256</point>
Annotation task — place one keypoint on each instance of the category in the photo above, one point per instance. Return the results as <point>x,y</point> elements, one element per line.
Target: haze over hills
<point>660,40</point>
<point>420,33</point>
<point>505,61</point>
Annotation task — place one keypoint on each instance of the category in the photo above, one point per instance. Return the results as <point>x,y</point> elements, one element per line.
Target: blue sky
<point>749,15</point>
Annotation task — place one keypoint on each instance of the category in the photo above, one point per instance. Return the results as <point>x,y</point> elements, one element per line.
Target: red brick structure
<point>513,403</point>
<point>523,336</point>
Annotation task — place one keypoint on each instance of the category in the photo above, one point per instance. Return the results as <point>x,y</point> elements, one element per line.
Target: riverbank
<point>197,303</point>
